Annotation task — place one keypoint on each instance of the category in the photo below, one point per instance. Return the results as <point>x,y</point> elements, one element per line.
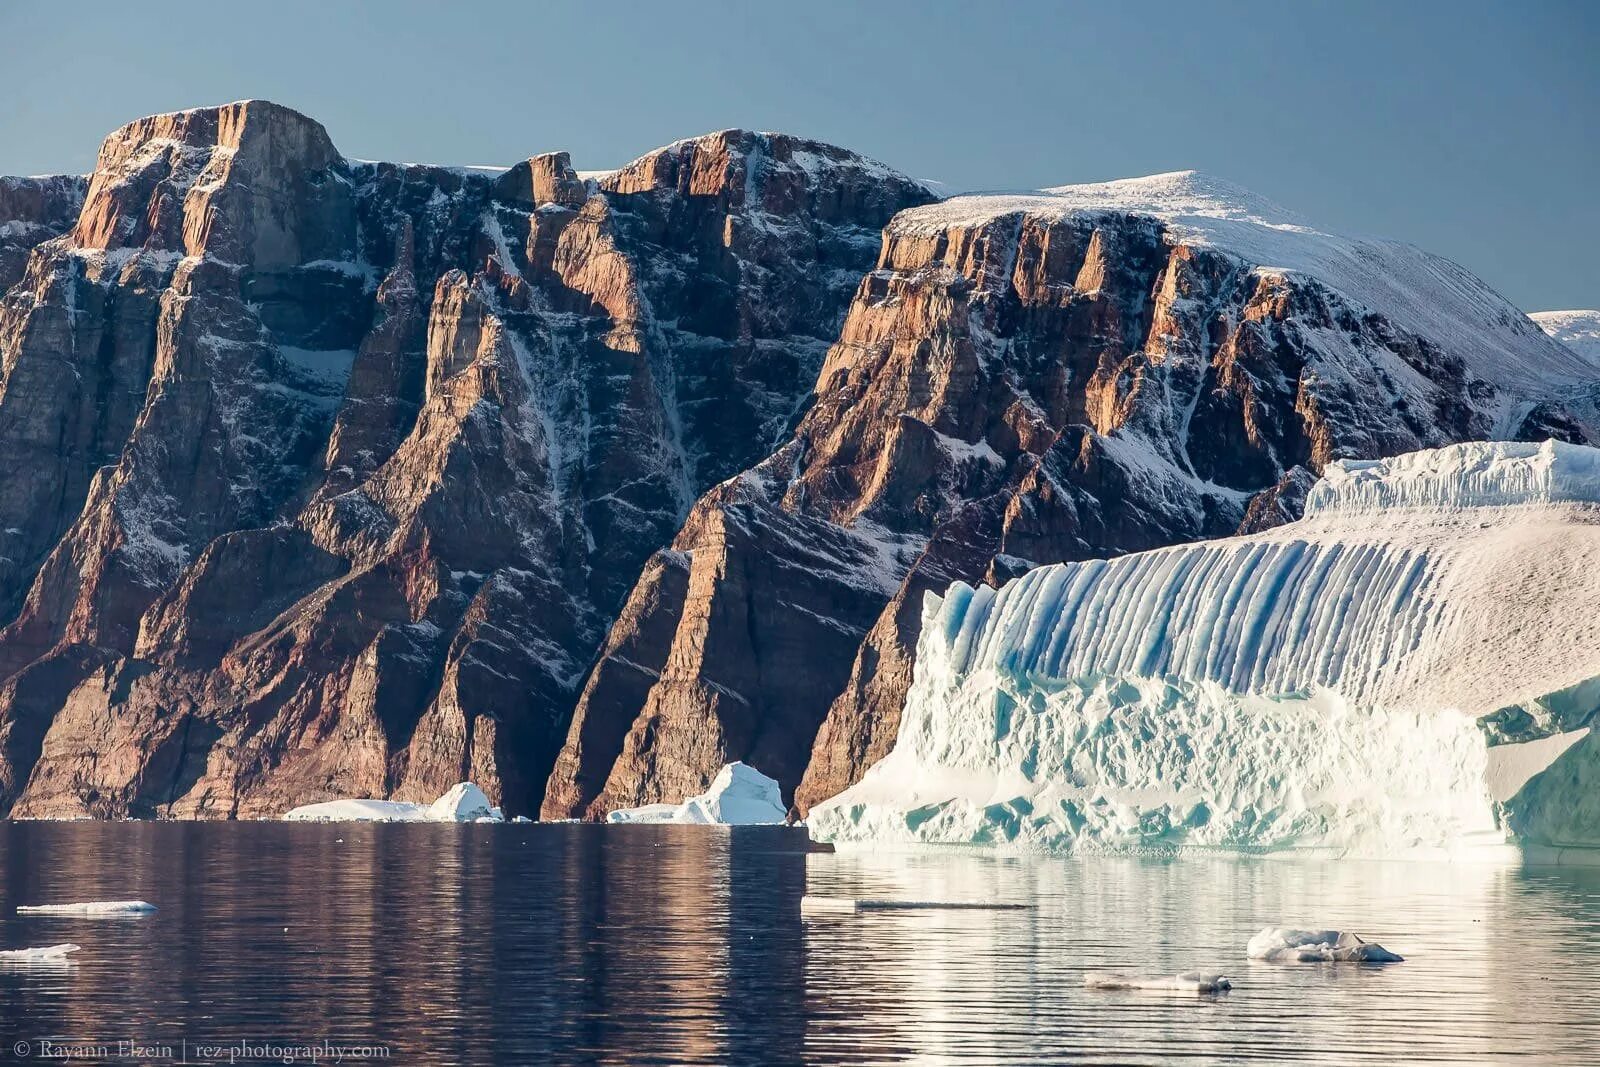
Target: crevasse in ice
<point>1414,665</point>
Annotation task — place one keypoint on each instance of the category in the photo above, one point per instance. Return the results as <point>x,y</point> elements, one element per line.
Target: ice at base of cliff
<point>463,802</point>
<point>739,795</point>
<point>1414,667</point>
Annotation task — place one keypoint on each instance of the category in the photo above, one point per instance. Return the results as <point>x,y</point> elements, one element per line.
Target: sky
<point>1471,129</point>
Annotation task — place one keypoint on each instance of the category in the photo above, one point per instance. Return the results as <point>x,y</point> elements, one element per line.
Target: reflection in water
<point>1501,962</point>
<point>658,944</point>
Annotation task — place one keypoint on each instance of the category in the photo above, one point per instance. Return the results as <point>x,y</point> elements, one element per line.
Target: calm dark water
<point>677,945</point>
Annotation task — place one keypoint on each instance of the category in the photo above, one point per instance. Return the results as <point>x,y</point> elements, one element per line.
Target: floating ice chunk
<point>1188,982</point>
<point>1278,944</point>
<point>463,802</point>
<point>855,904</point>
<point>91,908</point>
<point>739,795</point>
<point>45,954</point>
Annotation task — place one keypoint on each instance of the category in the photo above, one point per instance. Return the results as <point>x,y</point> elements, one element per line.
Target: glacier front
<point>1413,667</point>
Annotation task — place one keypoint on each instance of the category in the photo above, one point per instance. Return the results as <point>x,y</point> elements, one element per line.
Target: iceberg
<point>1279,944</point>
<point>739,795</point>
<point>463,802</point>
<point>45,954</point>
<point>1413,667</point>
<point>1191,982</point>
<point>92,908</point>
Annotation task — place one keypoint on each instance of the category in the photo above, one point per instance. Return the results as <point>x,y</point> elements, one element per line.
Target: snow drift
<point>1414,665</point>
<point>739,795</point>
<point>464,802</point>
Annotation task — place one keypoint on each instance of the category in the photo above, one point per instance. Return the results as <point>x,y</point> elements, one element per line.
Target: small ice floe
<point>463,802</point>
<point>44,954</point>
<point>739,795</point>
<point>826,905</point>
<point>1279,944</point>
<point>1188,982</point>
<point>90,908</point>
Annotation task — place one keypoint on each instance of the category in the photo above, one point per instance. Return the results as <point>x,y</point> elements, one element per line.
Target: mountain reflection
<point>569,944</point>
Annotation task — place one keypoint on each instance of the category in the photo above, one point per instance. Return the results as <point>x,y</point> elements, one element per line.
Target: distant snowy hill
<point>1413,665</point>
<point>1578,330</point>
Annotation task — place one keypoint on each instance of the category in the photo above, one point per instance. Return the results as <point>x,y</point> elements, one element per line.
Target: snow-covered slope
<point>1414,664</point>
<point>1578,330</point>
<point>1418,291</point>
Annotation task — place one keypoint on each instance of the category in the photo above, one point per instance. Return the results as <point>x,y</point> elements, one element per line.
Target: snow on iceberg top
<point>1416,290</point>
<point>739,795</point>
<point>1578,330</point>
<point>1475,474</point>
<point>1421,608</point>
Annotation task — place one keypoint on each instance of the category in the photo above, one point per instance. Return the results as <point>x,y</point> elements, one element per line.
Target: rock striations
<point>327,478</point>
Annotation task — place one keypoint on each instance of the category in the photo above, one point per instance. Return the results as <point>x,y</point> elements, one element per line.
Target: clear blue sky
<point>1472,129</point>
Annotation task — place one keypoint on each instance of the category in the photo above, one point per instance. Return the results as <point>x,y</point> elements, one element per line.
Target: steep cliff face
<point>355,462</point>
<point>1082,373</point>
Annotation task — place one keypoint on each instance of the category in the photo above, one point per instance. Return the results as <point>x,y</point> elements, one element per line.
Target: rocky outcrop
<point>1026,380</point>
<point>32,211</point>
<point>357,462</point>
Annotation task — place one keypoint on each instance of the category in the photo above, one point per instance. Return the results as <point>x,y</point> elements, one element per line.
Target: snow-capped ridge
<point>1419,292</point>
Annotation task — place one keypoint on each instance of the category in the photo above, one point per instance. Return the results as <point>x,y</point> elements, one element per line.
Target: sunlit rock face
<point>1067,375</point>
<point>326,477</point>
<point>330,478</point>
<point>1385,675</point>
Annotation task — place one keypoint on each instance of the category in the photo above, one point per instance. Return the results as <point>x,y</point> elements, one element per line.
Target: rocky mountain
<point>1079,373</point>
<point>331,478</point>
<point>326,477</point>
